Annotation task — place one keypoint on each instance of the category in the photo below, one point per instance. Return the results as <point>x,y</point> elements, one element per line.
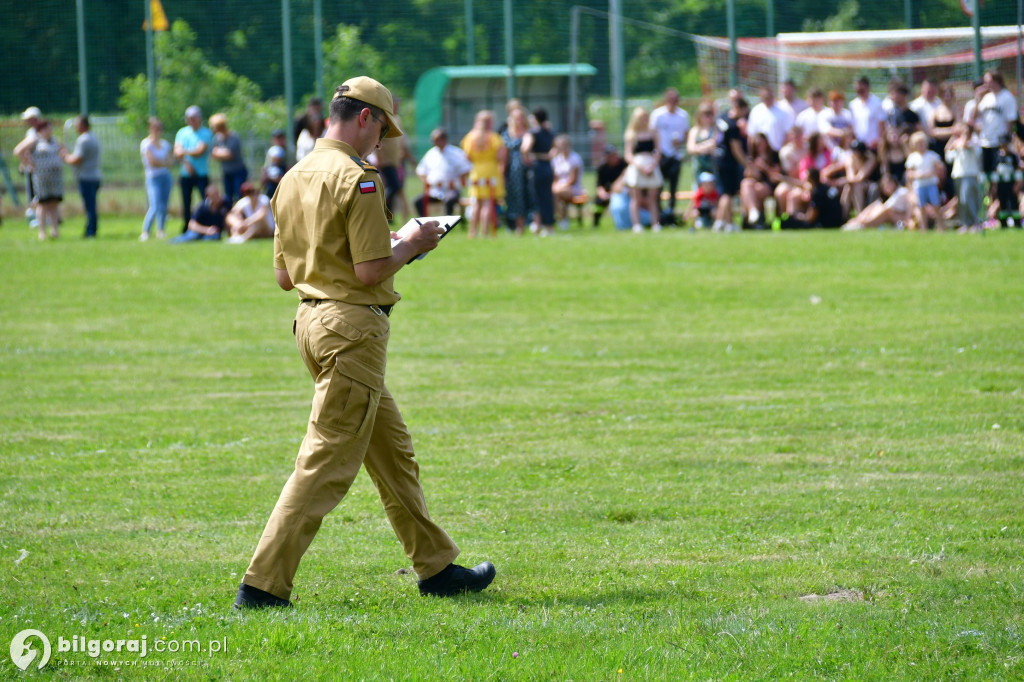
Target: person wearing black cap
<point>333,246</point>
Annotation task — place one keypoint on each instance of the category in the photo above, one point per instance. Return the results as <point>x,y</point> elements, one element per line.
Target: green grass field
<point>750,456</point>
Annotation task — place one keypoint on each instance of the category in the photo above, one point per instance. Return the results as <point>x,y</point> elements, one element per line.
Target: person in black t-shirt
<point>207,221</point>
<point>730,158</point>
<point>607,173</point>
<point>824,208</point>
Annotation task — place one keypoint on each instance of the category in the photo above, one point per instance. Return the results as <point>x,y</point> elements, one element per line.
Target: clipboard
<point>448,222</point>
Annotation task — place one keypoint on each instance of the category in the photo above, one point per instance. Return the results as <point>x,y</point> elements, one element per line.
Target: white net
<point>837,59</point>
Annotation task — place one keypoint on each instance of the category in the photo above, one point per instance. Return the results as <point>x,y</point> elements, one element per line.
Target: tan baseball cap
<point>366,89</point>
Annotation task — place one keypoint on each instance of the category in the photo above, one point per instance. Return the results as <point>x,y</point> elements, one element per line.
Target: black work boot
<point>454,579</point>
<point>252,598</point>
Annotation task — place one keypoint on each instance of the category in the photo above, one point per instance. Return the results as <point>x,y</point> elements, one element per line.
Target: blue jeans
<point>233,185</point>
<point>89,189</point>
<point>190,236</point>
<point>158,189</point>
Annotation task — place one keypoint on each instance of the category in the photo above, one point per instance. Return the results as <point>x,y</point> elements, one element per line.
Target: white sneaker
<point>753,216</point>
<point>656,227</point>
<point>547,232</point>
<point>534,228</point>
<point>160,234</point>
<point>638,229</point>
<point>718,226</point>
<point>144,237</point>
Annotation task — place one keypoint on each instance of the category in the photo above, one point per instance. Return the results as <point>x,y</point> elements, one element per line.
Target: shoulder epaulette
<point>364,165</point>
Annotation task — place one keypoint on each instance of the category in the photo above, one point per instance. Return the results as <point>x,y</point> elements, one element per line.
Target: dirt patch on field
<point>835,595</point>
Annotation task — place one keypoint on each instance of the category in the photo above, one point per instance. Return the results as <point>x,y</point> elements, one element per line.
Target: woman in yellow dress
<point>488,155</point>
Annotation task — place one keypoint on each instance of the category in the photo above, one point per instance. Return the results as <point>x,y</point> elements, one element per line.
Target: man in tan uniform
<point>333,245</point>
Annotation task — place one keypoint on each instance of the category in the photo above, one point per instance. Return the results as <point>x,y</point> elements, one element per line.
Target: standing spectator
<point>643,177</point>
<point>157,160</point>
<point>207,223</point>
<point>536,148</point>
<point>314,112</point>
<point>924,170</point>
<point>940,128</point>
<point>867,115</point>
<point>251,217</point>
<point>443,171</point>
<point>730,158</point>
<point>487,155</point>
<point>701,143</point>
<point>227,148</point>
<point>516,181</point>
<point>835,121</point>
<point>47,177</point>
<point>32,117</point>
<point>809,119</point>
<point>567,167</point>
<point>788,100</point>
<point>1005,180</point>
<point>86,160</point>
<point>900,115</point>
<point>391,159</point>
<point>610,170</point>
<point>924,105</point>
<point>996,117</point>
<point>192,148</point>
<point>965,156</point>
<point>770,119</point>
<point>672,124</point>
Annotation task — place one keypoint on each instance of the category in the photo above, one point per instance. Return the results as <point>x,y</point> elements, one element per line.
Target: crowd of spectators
<point>784,162</point>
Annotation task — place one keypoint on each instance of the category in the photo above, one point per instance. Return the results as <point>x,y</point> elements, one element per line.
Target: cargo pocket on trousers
<point>349,398</point>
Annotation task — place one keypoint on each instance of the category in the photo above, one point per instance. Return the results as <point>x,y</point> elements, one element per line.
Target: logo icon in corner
<point>23,654</point>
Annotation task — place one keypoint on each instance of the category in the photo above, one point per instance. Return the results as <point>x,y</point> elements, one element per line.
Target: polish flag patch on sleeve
<point>368,187</point>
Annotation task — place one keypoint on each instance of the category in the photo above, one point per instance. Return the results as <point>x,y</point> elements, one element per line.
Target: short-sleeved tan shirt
<point>330,215</point>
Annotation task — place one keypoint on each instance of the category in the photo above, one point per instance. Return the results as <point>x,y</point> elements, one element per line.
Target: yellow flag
<point>159,17</point>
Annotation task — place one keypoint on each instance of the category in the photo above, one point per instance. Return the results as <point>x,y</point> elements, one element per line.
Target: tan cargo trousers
<point>354,422</point>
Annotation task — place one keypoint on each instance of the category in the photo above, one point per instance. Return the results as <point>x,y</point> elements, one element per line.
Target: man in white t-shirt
<point>769,119</point>
<point>672,124</point>
<point>443,171</point>
<point>868,115</point>
<point>836,121</point>
<point>788,99</point>
<point>809,119</point>
<point>995,118</point>
<point>925,103</point>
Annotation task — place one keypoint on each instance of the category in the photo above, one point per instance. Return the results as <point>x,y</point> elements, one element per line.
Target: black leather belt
<point>379,309</point>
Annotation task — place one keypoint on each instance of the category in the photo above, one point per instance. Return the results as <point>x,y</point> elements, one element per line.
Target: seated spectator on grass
<point>925,170</point>
<point>227,148</point>
<point>896,206</point>
<point>705,200</point>
<point>207,222</point>
<point>251,217</point>
<point>761,175</point>
<point>790,157</point>
<point>610,170</point>
<point>567,167</point>
<point>822,208</point>
<point>443,170</point>
<point>862,176</point>
<point>620,207</point>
